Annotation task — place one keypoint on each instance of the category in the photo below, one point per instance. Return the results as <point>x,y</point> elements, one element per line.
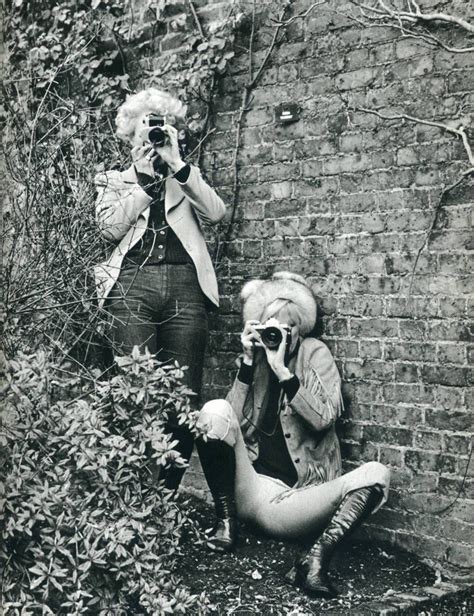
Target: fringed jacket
<point>307,419</point>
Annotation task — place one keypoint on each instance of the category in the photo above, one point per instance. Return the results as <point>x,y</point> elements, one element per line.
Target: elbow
<point>109,235</point>
<point>217,214</point>
<point>112,233</point>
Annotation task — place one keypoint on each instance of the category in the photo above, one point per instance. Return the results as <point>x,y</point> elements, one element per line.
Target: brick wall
<point>346,199</point>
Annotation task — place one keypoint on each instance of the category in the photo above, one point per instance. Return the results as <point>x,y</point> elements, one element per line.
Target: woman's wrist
<point>176,165</point>
<point>247,359</point>
<point>283,374</point>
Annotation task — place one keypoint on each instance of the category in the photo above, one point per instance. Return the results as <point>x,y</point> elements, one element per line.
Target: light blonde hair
<point>284,310</point>
<point>151,100</point>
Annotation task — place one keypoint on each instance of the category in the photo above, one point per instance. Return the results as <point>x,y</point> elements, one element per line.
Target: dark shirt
<point>159,244</point>
<point>273,457</point>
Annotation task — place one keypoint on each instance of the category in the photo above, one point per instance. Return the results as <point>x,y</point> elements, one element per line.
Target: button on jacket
<point>122,212</point>
<point>307,420</point>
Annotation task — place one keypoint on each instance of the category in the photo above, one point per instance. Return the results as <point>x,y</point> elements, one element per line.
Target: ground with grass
<point>252,580</point>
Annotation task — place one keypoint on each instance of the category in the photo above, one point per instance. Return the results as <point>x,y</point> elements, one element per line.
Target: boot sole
<point>220,548</point>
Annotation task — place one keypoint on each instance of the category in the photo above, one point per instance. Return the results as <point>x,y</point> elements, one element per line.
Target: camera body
<point>271,334</point>
<point>156,136</point>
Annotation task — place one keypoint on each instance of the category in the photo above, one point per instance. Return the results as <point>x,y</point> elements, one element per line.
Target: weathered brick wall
<point>346,199</point>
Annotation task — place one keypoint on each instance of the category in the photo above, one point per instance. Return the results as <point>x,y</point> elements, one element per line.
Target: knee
<point>379,473</point>
<point>217,420</point>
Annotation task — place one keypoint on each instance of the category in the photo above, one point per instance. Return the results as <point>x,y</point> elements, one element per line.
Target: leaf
<point>39,569</point>
<point>35,583</point>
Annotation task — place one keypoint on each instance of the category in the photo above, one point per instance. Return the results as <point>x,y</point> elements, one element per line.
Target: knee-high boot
<point>172,476</point>
<point>311,570</point>
<point>218,463</point>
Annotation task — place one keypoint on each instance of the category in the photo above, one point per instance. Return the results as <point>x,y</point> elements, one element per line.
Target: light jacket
<point>307,419</point>
<point>122,212</point>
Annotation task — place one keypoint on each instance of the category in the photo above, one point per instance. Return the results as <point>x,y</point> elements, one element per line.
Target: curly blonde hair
<point>151,100</point>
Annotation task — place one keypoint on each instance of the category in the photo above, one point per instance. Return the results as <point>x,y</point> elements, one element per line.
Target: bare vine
<point>56,120</point>
<point>302,15</point>
<point>245,106</point>
<point>410,23</point>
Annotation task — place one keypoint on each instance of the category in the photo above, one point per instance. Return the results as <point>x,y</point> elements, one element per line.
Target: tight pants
<point>282,512</point>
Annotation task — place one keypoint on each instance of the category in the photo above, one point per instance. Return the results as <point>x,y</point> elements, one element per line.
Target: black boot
<point>218,463</point>
<point>173,474</point>
<point>311,570</point>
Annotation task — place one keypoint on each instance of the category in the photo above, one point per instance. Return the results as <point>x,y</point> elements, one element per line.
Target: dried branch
<point>253,80</point>
<point>415,14</point>
<point>197,21</point>
<point>434,220</point>
<point>302,15</point>
<point>410,23</point>
<point>458,132</point>
<point>270,49</point>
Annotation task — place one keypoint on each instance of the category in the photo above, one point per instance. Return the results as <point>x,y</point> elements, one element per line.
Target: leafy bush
<point>86,527</point>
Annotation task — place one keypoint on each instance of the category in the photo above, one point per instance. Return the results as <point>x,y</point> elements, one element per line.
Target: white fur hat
<point>257,294</point>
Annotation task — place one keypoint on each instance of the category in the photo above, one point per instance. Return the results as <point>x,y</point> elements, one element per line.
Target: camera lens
<point>157,137</point>
<point>271,337</point>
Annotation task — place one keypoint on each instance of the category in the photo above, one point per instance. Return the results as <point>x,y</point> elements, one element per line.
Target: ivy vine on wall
<point>70,65</point>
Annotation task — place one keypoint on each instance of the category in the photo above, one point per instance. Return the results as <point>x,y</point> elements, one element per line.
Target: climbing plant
<point>70,66</point>
<point>85,527</point>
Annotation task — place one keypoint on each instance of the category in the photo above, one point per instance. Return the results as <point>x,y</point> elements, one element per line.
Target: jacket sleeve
<point>209,207</point>
<point>237,396</point>
<point>318,399</point>
<point>118,204</point>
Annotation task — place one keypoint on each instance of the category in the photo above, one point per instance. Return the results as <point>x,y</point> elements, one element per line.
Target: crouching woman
<point>271,456</point>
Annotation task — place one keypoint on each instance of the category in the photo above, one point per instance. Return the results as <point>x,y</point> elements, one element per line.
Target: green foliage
<point>86,528</point>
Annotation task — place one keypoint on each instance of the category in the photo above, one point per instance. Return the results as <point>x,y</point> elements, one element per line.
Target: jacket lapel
<point>261,381</point>
<point>129,176</point>
<point>173,194</point>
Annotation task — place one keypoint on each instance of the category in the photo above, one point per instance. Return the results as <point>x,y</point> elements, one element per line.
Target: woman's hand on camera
<point>250,338</point>
<point>170,151</point>
<point>276,358</point>
<point>143,157</point>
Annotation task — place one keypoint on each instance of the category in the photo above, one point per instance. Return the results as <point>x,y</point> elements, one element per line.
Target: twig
<point>301,15</point>
<point>417,14</point>
<point>459,132</point>
<point>252,37</point>
<point>197,20</point>
<point>270,49</point>
<point>244,107</point>
<point>422,35</point>
<point>374,15</point>
<point>434,220</point>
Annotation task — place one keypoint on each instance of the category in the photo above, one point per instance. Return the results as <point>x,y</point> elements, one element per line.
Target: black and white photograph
<point>237,332</point>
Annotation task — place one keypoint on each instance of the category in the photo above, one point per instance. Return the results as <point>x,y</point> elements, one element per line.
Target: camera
<point>271,335</point>
<point>156,136</point>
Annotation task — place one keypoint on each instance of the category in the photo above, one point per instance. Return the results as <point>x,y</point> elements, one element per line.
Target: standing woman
<point>159,282</point>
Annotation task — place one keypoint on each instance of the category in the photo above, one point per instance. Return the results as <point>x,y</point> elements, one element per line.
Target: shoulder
<point>315,354</point>
<point>311,347</point>
<point>108,178</point>
<point>116,177</point>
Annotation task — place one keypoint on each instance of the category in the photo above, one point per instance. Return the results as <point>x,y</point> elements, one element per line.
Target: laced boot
<point>218,463</point>
<point>311,570</point>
